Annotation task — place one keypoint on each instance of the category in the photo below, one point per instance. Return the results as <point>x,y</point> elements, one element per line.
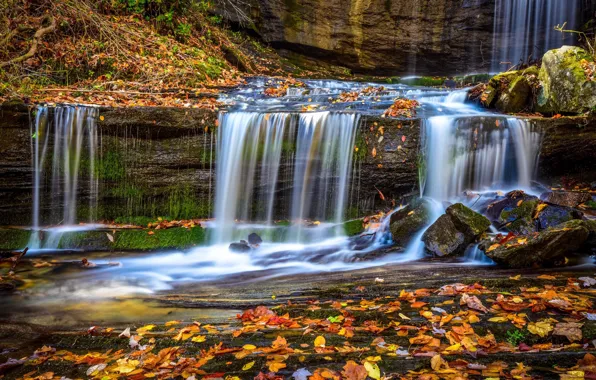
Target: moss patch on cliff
<point>11,239</point>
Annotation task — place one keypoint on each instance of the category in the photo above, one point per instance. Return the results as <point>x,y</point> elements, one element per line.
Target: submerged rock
<point>565,86</point>
<point>240,247</point>
<point>544,248</point>
<point>454,231</point>
<point>405,223</point>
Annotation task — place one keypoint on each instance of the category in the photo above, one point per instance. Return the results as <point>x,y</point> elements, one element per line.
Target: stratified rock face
<point>565,87</point>
<point>545,248</point>
<point>431,37</point>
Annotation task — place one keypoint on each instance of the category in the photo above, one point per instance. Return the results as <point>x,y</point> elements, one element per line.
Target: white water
<point>525,28</point>
<point>317,164</point>
<point>477,155</point>
<point>57,147</point>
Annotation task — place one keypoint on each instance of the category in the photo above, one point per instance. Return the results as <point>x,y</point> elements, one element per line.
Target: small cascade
<point>477,154</point>
<point>59,157</point>
<point>296,165</point>
<point>525,28</point>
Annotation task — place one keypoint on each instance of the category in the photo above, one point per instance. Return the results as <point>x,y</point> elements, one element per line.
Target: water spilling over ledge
<point>293,175</point>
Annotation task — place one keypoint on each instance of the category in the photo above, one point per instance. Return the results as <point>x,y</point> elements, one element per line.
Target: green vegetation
<point>353,227</point>
<point>515,337</point>
<point>179,238</point>
<point>14,239</point>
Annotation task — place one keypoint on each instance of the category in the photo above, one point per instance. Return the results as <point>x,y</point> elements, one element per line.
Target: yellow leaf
<point>455,347</point>
<point>473,318</point>
<point>493,247</point>
<point>276,366</point>
<point>437,363</point>
<point>546,277</point>
<point>144,329</point>
<point>172,323</point>
<point>515,278</point>
<point>540,328</point>
<point>320,341</point>
<point>198,339</point>
<point>248,366</point>
<point>404,317</point>
<point>102,118</point>
<point>249,347</point>
<point>373,359</point>
<point>373,370</point>
<point>498,319</point>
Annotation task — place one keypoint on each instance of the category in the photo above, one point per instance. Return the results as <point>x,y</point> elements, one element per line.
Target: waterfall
<point>282,165</point>
<point>58,159</point>
<point>477,154</point>
<point>526,27</point>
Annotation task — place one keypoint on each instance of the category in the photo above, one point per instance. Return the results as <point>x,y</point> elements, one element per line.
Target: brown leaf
<point>572,330</point>
<point>354,371</point>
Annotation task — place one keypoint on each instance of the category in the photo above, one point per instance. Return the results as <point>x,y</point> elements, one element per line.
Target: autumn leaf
<point>540,328</point>
<point>320,341</point>
<point>374,152</point>
<point>354,371</point>
<point>473,303</point>
<point>248,366</point>
<point>437,363</point>
<point>276,366</point>
<point>373,370</point>
<point>571,330</point>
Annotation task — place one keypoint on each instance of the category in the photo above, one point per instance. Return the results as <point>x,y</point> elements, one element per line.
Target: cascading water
<point>525,28</point>
<point>297,165</point>
<point>477,154</point>
<point>58,153</point>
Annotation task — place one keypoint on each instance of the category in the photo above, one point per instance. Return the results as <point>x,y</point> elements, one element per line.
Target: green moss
<point>179,238</point>
<point>353,227</point>
<point>424,81</point>
<point>12,239</point>
<point>519,219</point>
<point>361,149</point>
<point>111,166</point>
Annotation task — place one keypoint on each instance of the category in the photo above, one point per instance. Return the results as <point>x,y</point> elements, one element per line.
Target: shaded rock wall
<point>434,37</point>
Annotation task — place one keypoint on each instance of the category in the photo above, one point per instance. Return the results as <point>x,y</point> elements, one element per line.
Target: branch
<point>34,46</point>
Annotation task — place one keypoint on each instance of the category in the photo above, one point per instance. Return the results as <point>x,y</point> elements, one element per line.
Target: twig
<point>18,258</point>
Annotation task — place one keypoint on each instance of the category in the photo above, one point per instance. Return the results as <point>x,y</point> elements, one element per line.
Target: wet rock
<point>507,203</point>
<point>545,248</point>
<point>566,198</point>
<point>254,239</point>
<point>565,87</point>
<point>516,97</point>
<point>549,215</point>
<point>454,231</point>
<point>405,223</point>
<point>240,247</point>
<point>470,223</point>
<point>443,238</point>
<point>519,219</point>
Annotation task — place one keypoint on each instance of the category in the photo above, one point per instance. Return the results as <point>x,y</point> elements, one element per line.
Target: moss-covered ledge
<point>124,239</point>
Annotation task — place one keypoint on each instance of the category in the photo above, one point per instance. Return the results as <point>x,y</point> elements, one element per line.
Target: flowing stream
<point>276,162</point>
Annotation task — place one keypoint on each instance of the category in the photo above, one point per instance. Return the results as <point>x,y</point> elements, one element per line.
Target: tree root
<point>36,41</point>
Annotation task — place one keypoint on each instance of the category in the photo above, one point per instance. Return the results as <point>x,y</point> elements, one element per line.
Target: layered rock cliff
<point>435,37</point>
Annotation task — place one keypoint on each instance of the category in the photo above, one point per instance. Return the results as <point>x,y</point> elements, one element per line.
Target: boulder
<point>518,217</point>
<point>240,247</point>
<point>443,238</point>
<point>254,239</point>
<point>508,202</point>
<point>470,223</point>
<point>550,215</point>
<point>516,97</point>
<point>565,86</point>
<point>454,231</point>
<point>405,223</point>
<point>544,248</point>
<point>566,198</point>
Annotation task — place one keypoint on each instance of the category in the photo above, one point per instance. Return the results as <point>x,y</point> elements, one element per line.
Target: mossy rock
<point>467,221</point>
<point>14,239</point>
<point>133,239</point>
<point>516,97</point>
<point>565,87</point>
<point>405,223</point>
<point>546,248</point>
<point>353,227</point>
<point>519,219</point>
<point>443,238</point>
